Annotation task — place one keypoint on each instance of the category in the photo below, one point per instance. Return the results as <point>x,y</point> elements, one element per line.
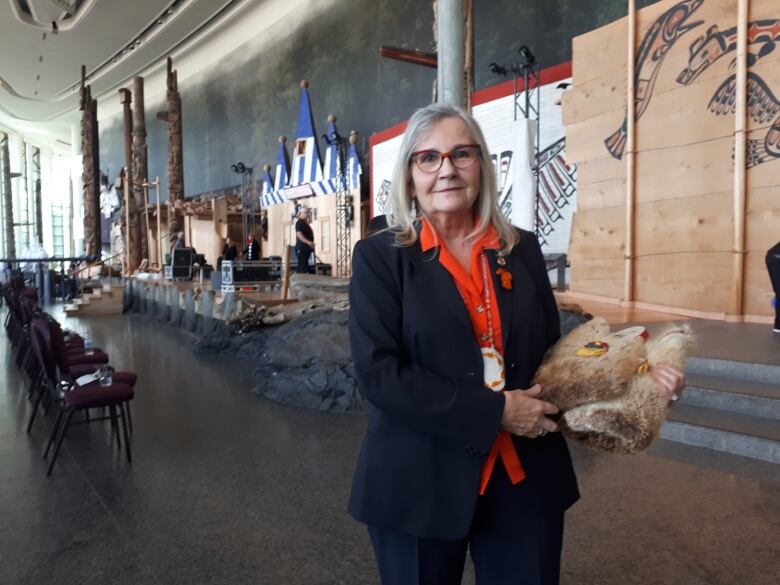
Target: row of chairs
<point>53,360</point>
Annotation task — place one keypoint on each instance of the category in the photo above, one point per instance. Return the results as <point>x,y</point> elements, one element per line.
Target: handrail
<point>100,262</point>
<point>50,259</point>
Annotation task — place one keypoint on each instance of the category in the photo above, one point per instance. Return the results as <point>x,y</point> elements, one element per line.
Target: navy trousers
<point>509,545</point>
<point>773,266</point>
<point>303,261</point>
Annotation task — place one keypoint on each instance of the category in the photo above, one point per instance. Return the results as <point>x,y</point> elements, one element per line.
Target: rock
<point>214,342</point>
<point>307,363</point>
<point>306,287</point>
<point>329,388</point>
<point>316,338</point>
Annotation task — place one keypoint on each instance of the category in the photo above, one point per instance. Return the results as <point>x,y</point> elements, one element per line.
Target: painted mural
<point>687,192</point>
<point>763,106</point>
<point>656,44</point>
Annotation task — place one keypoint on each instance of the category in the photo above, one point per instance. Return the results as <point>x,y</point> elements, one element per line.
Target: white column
<point>451,57</point>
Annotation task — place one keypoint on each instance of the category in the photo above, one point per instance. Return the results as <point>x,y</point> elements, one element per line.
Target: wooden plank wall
<point>684,175</point>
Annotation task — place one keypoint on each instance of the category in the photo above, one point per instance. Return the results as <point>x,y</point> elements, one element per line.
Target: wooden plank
<point>681,171</point>
<point>601,276</point>
<point>594,97</point>
<point>598,233</point>
<point>600,169</point>
<point>593,53</point>
<point>688,224</point>
<point>763,9</point>
<point>602,194</point>
<point>698,281</point>
<point>585,140</point>
<point>680,117</point>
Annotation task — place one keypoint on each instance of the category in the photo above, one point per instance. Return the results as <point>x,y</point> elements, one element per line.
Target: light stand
<point>247,198</point>
<point>344,210</point>
<point>528,103</point>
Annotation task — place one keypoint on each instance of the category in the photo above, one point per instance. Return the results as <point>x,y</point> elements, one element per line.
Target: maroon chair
<point>70,368</point>
<point>71,398</point>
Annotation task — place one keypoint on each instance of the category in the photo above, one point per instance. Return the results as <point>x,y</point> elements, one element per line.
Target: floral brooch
<point>506,278</point>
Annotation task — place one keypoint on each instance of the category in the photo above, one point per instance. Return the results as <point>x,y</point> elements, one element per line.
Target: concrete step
<point>732,432</point>
<point>754,372</point>
<point>743,396</point>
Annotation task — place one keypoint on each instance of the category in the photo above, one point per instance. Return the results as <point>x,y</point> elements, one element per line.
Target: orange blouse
<point>471,287</point>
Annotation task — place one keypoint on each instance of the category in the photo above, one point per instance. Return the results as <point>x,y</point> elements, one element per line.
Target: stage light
<point>528,57</point>
<point>497,69</point>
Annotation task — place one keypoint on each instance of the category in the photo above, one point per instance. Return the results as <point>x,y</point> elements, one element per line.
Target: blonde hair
<point>403,215</point>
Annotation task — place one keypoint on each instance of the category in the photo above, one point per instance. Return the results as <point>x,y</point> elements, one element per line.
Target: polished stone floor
<point>226,488</point>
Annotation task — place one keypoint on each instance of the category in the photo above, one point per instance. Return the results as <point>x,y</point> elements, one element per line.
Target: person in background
<point>229,250</point>
<point>304,243</point>
<point>252,250</point>
<point>773,266</point>
<point>264,224</point>
<point>179,241</point>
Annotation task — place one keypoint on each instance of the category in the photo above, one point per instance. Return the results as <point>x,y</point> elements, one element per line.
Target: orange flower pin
<point>506,278</point>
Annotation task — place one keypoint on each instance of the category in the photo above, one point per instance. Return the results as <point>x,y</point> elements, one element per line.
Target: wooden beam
<point>630,252</point>
<point>407,56</point>
<point>737,292</point>
<point>286,272</point>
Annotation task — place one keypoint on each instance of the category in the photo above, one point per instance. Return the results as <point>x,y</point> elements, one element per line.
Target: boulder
<point>305,287</point>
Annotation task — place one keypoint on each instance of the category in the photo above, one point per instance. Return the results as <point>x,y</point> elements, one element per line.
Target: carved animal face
<point>704,52</point>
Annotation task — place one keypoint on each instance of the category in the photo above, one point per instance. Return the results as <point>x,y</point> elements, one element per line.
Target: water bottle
<point>88,345</point>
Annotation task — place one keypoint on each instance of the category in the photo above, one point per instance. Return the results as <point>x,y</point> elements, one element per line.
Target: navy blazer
<point>419,364</point>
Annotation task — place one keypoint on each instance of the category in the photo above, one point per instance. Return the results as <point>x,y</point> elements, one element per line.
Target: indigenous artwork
<point>557,178</point>
<point>701,224</point>
<point>90,175</point>
<point>657,43</point>
<point>763,106</point>
<point>172,115</point>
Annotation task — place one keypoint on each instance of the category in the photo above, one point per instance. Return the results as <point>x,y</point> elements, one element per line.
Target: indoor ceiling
<point>44,43</point>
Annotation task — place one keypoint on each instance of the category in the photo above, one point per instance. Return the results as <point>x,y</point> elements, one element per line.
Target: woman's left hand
<point>670,380</point>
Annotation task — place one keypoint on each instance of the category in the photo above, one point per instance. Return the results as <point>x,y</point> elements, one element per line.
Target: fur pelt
<point>608,402</point>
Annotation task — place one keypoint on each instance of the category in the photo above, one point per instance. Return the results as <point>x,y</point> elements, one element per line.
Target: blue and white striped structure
<point>282,166</point>
<point>306,154</point>
<point>269,195</point>
<point>306,169</point>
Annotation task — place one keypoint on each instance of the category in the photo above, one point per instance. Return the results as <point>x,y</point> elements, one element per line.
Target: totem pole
<point>132,225</point>
<point>139,166</point>
<point>175,160</point>
<point>90,175</point>
<point>8,200</point>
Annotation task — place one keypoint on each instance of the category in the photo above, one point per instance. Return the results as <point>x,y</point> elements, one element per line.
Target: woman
<point>436,300</point>
<point>229,250</point>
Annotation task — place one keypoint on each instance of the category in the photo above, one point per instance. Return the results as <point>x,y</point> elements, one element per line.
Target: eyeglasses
<point>462,157</point>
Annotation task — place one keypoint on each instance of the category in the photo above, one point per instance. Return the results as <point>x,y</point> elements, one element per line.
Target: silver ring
<point>540,432</point>
<point>675,397</point>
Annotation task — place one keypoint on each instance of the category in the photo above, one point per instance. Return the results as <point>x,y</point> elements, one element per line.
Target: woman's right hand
<point>524,414</point>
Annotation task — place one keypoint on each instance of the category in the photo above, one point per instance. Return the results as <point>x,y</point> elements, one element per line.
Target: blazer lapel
<point>443,287</point>
<point>503,296</point>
